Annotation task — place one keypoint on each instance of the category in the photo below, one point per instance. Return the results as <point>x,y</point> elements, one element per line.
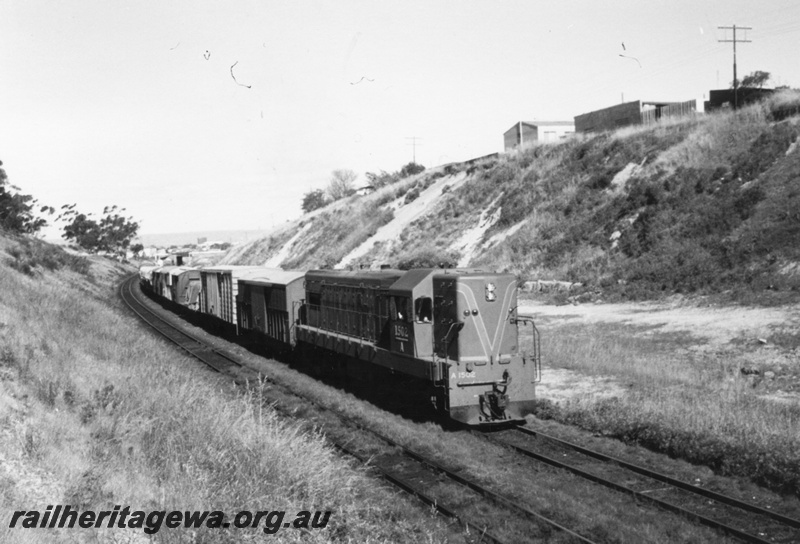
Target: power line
<point>734,40</point>
<point>414,144</point>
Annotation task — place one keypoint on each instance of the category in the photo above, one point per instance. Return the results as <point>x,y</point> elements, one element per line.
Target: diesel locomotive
<point>455,331</point>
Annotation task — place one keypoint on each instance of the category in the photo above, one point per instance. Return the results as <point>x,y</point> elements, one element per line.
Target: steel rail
<point>698,518</point>
<point>408,488</point>
<point>184,340</point>
<point>460,479</point>
<point>719,497</point>
<point>151,318</point>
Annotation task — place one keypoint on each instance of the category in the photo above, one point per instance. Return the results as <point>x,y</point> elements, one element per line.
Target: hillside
<point>697,205</point>
<point>97,412</point>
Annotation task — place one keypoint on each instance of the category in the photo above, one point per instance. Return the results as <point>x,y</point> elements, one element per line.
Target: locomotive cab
<point>411,315</point>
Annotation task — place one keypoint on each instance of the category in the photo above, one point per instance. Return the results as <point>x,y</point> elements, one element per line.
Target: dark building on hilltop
<point>632,113</point>
<point>723,98</point>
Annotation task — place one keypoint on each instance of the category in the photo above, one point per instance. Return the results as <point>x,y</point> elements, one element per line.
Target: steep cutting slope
<point>697,204</point>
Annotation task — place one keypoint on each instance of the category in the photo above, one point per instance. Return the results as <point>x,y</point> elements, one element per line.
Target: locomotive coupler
<point>494,402</point>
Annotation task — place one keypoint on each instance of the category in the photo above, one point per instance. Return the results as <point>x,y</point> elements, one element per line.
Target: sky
<point>199,115</point>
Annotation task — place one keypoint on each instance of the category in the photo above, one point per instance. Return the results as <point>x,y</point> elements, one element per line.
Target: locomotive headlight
<point>490,294</point>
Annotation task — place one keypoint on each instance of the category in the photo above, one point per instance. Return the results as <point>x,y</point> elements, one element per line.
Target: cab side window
<point>423,310</point>
<point>399,310</point>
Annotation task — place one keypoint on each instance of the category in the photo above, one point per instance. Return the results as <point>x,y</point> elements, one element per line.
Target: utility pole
<point>734,40</point>
<point>414,146</point>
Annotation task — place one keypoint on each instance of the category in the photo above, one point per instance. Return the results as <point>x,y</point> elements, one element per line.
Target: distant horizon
<point>212,235</point>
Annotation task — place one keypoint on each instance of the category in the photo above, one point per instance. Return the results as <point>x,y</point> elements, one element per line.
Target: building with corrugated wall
<point>525,133</point>
<point>724,98</point>
<point>632,113</point>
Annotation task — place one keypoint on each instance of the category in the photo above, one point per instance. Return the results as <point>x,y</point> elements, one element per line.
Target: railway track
<point>216,360</point>
<point>741,520</point>
<point>488,516</point>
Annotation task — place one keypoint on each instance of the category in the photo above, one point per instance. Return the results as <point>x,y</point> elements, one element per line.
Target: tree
<point>117,232</point>
<point>83,231</point>
<point>313,200</point>
<point>755,79</point>
<point>17,211</point>
<point>382,179</point>
<point>341,184</point>
<point>136,249</point>
<point>410,169</point>
<point>112,234</point>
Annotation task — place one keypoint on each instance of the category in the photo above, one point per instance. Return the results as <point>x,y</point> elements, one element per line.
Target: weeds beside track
<point>415,473</point>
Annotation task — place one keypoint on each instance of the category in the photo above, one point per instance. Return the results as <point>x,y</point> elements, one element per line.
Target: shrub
<point>411,195</point>
<point>411,169</point>
<point>32,254</point>
<point>428,258</point>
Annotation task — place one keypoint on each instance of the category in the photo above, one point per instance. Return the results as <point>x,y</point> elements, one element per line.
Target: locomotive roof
<point>413,278</point>
<point>409,280</point>
<point>383,278</point>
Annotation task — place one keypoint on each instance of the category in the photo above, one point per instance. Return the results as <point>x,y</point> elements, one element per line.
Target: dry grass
<point>716,140</point>
<point>99,414</point>
<point>115,417</point>
<point>696,405</point>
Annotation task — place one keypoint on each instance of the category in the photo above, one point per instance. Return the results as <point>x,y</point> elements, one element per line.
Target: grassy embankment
<point>712,209</point>
<point>703,205</point>
<point>692,404</point>
<point>95,412</point>
<point>709,206</point>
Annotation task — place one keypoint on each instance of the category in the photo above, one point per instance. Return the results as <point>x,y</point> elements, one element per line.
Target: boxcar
<point>185,286</point>
<point>220,288</point>
<point>268,302</point>
<point>162,281</point>
<point>146,275</point>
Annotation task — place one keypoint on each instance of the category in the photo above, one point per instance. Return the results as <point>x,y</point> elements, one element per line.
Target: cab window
<point>399,309</point>
<point>423,309</point>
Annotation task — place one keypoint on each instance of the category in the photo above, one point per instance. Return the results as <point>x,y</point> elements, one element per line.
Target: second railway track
<point>742,520</point>
<point>487,515</point>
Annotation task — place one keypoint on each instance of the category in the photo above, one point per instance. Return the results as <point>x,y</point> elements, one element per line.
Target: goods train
<point>455,332</point>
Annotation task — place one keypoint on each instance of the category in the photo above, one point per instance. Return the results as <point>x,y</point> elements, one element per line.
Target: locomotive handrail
<point>535,356</point>
<point>445,342</point>
<point>492,382</point>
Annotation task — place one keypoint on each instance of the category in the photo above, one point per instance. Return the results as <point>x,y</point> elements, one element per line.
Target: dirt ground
<point>755,335</point>
<point>710,325</point>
